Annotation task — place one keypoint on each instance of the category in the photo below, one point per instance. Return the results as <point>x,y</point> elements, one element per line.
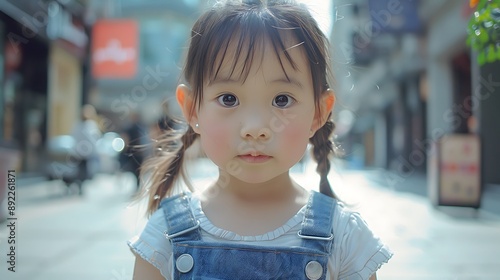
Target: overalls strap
<point>181,224</point>
<point>317,226</point>
<point>195,258</point>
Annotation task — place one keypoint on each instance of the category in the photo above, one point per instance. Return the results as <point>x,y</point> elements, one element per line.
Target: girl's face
<point>257,129</point>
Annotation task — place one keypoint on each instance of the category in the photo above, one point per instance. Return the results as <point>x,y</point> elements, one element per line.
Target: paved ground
<point>70,237</point>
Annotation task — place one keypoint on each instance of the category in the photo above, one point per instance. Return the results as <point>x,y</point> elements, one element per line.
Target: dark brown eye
<point>283,101</point>
<point>228,100</point>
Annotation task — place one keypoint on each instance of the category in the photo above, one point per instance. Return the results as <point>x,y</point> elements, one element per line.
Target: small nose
<point>253,128</point>
<point>264,133</point>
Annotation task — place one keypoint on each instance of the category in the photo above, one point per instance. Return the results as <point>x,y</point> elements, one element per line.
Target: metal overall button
<point>184,263</point>
<point>314,270</point>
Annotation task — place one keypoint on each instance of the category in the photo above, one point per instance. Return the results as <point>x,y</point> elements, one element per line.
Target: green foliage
<point>484,31</point>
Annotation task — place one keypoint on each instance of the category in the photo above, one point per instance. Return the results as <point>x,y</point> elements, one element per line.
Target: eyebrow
<point>289,80</point>
<point>282,80</point>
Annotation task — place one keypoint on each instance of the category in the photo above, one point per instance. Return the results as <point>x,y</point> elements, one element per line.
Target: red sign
<point>115,49</point>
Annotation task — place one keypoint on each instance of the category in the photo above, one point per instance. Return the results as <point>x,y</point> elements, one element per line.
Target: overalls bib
<point>198,259</point>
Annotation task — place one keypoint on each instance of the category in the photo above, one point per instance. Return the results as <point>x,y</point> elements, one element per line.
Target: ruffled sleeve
<point>153,246</point>
<point>361,252</point>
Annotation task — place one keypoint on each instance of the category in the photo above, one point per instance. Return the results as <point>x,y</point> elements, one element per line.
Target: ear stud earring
<point>197,125</point>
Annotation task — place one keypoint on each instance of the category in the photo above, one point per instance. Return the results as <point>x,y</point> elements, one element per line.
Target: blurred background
<point>418,91</point>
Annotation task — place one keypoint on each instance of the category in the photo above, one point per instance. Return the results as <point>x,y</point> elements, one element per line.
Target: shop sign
<point>457,177</point>
<point>114,49</point>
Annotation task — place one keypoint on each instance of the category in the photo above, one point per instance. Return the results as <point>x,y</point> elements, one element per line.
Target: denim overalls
<point>197,259</point>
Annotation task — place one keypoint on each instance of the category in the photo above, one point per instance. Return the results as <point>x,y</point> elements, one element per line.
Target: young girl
<point>256,93</point>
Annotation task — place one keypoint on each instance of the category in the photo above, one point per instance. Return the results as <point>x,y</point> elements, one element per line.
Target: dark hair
<point>245,24</point>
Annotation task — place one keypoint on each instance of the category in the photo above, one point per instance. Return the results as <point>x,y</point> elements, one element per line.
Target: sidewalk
<point>60,236</point>
<point>431,243</point>
<point>416,184</point>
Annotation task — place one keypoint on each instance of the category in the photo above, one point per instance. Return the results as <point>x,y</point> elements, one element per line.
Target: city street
<point>70,237</point>
<point>90,86</point>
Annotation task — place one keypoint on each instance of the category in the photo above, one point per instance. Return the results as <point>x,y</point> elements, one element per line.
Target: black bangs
<point>239,41</point>
<point>227,40</point>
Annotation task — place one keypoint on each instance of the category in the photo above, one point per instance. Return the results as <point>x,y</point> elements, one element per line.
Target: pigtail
<point>164,169</point>
<point>322,152</point>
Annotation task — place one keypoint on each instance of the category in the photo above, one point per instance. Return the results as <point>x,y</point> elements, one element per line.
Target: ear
<point>326,105</point>
<point>185,99</point>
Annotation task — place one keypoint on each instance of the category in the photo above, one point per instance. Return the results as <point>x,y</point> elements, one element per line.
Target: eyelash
<point>220,99</point>
<point>221,102</point>
<point>291,101</point>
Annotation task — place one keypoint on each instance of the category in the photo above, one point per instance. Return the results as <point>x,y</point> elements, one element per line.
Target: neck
<point>278,188</point>
<point>252,209</point>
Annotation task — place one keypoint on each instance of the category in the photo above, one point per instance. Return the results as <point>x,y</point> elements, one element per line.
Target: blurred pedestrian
<point>132,156</point>
<point>86,133</point>
<point>256,94</point>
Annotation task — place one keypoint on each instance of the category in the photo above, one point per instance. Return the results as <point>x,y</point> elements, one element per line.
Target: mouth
<point>254,157</point>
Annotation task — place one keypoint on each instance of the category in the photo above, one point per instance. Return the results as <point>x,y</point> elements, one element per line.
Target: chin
<point>257,177</point>
<point>255,180</point>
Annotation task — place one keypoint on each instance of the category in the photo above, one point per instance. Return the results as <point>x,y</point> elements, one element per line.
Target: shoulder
<point>346,220</point>
<point>357,251</point>
<point>157,221</point>
<point>152,245</point>
<point>156,227</point>
<point>153,232</point>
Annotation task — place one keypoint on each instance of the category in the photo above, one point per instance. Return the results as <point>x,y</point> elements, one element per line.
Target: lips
<point>254,158</point>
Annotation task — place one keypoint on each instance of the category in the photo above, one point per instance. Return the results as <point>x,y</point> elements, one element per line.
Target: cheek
<point>296,137</point>
<point>215,137</point>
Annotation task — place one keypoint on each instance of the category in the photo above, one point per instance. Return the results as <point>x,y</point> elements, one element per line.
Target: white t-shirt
<point>358,252</point>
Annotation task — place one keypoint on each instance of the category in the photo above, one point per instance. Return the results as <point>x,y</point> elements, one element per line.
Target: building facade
<point>43,50</point>
<point>405,78</point>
